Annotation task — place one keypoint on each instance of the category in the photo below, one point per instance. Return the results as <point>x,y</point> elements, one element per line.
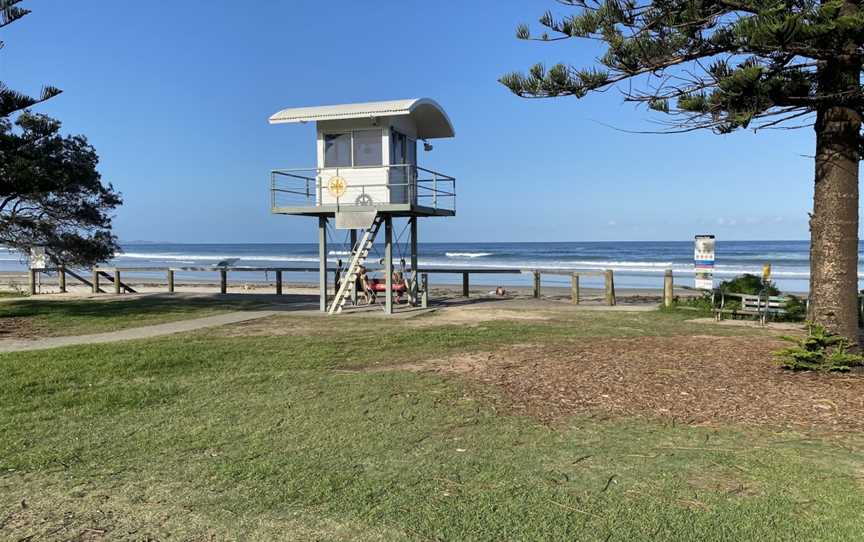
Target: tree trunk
<point>834,222</point>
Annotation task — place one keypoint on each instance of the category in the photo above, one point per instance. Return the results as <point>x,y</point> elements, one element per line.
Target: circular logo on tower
<point>337,186</point>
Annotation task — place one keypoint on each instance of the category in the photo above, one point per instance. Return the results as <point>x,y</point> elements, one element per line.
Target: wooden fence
<point>114,276</point>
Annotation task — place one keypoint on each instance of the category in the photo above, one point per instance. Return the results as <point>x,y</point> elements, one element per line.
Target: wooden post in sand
<point>424,295</point>
<point>667,288</point>
<point>170,281</point>
<point>32,282</point>
<point>465,288</point>
<point>223,281</point>
<point>574,288</point>
<point>62,278</point>
<point>278,282</point>
<point>116,281</point>
<point>536,284</point>
<point>95,281</point>
<point>610,287</point>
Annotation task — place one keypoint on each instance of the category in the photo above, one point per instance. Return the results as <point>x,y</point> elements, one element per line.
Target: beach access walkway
<point>130,334</point>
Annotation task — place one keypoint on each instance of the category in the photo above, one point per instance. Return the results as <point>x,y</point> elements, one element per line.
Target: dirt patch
<point>274,326</point>
<point>473,317</point>
<point>694,380</point>
<point>18,327</point>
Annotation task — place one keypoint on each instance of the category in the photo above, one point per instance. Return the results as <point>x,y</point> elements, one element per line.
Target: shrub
<point>748,284</point>
<point>702,302</point>
<point>796,309</point>
<point>819,350</point>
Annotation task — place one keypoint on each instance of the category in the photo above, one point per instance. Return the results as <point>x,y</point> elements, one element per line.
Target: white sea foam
<point>216,257</point>
<point>467,254</point>
<point>613,264</point>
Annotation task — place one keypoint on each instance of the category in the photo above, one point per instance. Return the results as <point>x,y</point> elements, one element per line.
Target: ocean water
<point>636,264</point>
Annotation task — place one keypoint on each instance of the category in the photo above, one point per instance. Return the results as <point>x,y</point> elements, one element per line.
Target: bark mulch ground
<point>693,380</point>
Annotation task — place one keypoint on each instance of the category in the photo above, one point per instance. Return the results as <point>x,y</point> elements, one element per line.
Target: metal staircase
<point>359,253</point>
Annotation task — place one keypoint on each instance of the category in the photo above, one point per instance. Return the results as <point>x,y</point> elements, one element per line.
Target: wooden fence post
<point>223,281</point>
<point>610,287</point>
<point>424,295</point>
<point>116,281</point>
<point>95,281</point>
<point>536,284</point>
<point>31,282</point>
<point>574,289</point>
<point>278,282</point>
<point>62,277</point>
<point>667,288</point>
<point>464,284</point>
<point>170,281</point>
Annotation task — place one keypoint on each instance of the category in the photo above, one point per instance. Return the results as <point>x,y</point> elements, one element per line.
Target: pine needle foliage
<point>819,350</point>
<point>725,65</point>
<point>717,64</point>
<point>51,194</point>
<point>12,101</point>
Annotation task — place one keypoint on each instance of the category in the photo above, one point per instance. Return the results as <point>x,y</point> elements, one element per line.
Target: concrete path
<point>144,332</point>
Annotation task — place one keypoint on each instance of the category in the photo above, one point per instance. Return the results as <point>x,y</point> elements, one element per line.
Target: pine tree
<point>12,101</point>
<point>51,194</point>
<point>725,65</point>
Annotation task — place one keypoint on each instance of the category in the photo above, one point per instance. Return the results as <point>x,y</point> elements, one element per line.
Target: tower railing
<point>307,188</point>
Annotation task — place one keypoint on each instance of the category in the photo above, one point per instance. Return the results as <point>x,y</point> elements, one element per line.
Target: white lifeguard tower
<point>366,175</point>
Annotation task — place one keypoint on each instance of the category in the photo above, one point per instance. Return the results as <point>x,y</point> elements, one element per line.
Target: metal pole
<point>414,257</point>
<point>356,281</point>
<point>62,277</point>
<point>322,261</point>
<point>388,264</point>
<point>574,289</point>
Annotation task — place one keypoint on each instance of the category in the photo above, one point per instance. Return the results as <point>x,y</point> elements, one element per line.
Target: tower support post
<point>414,274</point>
<point>322,262</point>
<point>388,264</point>
<point>356,282</point>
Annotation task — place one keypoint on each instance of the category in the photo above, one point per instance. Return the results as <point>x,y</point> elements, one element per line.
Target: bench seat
<point>753,305</point>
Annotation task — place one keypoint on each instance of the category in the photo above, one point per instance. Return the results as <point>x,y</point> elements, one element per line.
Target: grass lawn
<point>33,318</point>
<point>242,434</point>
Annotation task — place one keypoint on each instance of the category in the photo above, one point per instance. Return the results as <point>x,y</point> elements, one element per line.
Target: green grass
<point>263,438</point>
<point>73,317</point>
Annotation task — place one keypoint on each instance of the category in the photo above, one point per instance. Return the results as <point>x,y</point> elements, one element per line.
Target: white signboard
<point>703,262</point>
<point>38,259</point>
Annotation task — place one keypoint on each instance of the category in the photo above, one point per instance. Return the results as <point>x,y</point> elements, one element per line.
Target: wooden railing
<point>114,276</point>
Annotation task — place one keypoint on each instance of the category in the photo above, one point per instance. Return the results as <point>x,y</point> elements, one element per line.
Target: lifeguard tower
<point>366,175</point>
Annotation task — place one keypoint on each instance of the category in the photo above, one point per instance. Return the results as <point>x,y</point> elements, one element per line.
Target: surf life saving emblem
<point>337,186</point>
<point>703,262</point>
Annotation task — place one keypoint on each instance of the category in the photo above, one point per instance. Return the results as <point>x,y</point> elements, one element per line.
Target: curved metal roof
<point>431,120</point>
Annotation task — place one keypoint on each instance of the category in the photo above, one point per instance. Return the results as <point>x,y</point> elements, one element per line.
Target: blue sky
<point>175,97</point>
